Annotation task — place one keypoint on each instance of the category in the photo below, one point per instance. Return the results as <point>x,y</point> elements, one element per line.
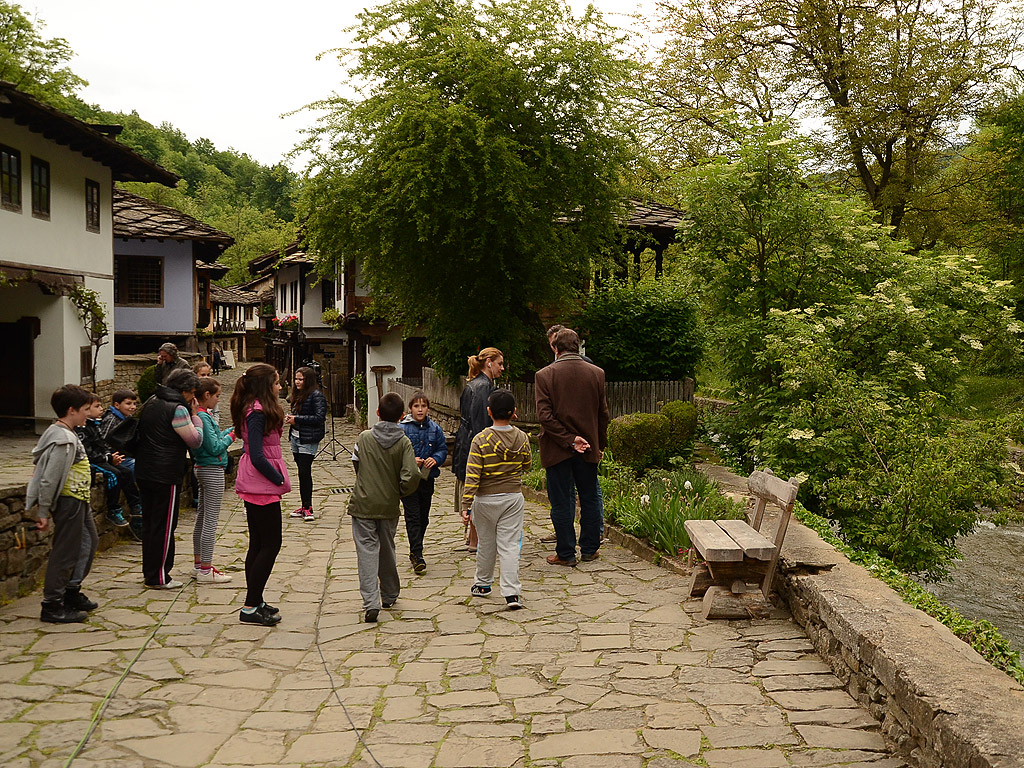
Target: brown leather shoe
<point>550,539</point>
<point>556,560</point>
<point>589,558</point>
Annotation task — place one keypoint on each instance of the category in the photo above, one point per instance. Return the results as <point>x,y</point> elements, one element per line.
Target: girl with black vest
<point>306,430</point>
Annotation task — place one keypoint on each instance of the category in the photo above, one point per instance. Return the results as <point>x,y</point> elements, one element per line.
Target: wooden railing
<point>623,396</point>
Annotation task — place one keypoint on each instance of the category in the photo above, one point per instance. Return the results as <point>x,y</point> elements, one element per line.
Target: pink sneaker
<point>307,514</point>
<point>300,512</point>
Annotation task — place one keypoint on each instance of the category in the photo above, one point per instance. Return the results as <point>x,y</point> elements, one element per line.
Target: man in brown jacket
<point>573,413</point>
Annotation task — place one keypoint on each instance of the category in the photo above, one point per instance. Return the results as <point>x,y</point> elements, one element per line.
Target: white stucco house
<point>56,231</point>
<point>164,265</point>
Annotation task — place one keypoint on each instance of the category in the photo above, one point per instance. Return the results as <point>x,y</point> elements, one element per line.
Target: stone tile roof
<point>654,216</point>
<point>233,294</point>
<point>293,253</point>
<point>137,217</point>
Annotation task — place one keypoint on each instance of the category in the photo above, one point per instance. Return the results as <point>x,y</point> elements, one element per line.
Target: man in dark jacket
<point>573,413</point>
<point>167,361</point>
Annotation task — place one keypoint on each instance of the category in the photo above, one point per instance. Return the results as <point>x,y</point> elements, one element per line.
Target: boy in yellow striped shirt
<point>493,497</point>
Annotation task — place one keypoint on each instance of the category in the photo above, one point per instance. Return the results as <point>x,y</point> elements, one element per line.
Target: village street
<point>609,666</point>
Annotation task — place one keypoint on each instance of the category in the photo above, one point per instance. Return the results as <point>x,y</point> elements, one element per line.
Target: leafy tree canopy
<point>35,64</point>
<point>894,82</point>
<point>478,173</point>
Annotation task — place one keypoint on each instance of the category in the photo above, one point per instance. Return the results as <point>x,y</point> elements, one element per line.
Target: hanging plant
<point>93,314</point>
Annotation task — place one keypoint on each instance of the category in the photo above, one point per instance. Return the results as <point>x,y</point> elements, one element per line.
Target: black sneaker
<point>260,617</point>
<point>75,600</point>
<point>514,602</point>
<point>268,608</point>
<point>478,590</point>
<point>58,613</point>
<point>371,616</point>
<point>420,566</point>
<point>388,603</point>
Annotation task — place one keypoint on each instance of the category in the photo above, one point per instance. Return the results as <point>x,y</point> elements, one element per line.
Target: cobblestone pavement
<point>609,666</point>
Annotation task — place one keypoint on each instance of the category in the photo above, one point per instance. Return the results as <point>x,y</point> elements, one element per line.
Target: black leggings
<point>304,461</point>
<point>264,544</point>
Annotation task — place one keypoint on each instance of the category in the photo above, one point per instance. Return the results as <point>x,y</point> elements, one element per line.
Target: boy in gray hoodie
<point>386,470</point>
<point>61,485</point>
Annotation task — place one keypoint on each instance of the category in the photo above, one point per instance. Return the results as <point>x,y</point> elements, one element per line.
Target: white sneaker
<point>213,576</point>
<point>172,584</point>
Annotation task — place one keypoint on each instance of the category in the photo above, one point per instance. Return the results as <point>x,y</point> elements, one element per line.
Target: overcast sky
<point>220,69</point>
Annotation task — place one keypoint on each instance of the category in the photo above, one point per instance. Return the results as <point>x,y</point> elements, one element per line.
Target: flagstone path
<point>609,666</point>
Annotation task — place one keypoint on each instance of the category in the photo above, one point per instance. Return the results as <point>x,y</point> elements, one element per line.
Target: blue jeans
<point>565,479</point>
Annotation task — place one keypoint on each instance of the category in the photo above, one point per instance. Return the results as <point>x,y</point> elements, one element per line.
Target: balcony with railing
<point>228,325</point>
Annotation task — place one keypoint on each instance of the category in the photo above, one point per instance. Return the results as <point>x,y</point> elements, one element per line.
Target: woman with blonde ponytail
<point>484,367</point>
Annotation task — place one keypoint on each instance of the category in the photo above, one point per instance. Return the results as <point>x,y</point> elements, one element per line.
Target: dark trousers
<point>125,482</point>
<point>160,502</point>
<point>264,543</point>
<point>417,515</point>
<point>68,521</point>
<point>304,462</point>
<point>565,479</point>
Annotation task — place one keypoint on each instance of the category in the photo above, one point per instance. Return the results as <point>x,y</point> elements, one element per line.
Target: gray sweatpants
<point>90,543</point>
<point>68,517</point>
<point>375,560</point>
<point>499,528</point>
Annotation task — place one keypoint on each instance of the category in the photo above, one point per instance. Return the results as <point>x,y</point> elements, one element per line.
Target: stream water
<point>989,582</point>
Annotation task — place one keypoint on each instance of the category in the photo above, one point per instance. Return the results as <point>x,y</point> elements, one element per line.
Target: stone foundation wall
<point>937,699</point>
<point>24,549</point>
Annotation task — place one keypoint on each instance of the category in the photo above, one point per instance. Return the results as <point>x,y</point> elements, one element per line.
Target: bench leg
<point>700,580</point>
<point>722,603</point>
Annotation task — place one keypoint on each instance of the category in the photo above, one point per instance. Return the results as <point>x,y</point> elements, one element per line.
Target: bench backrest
<point>766,487</point>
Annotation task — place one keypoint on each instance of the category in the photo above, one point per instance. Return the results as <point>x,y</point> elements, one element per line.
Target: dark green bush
<point>682,420</point>
<point>647,331</point>
<point>638,440</point>
<point>147,384</point>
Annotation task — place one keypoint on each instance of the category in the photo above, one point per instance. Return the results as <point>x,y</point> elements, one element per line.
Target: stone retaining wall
<point>24,549</point>
<point>938,700</point>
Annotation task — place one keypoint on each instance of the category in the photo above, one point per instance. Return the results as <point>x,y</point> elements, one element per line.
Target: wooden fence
<point>623,396</point>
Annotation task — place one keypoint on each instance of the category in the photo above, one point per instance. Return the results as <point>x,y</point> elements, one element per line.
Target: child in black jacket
<point>106,463</point>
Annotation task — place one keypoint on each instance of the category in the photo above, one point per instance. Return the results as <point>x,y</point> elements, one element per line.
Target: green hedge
<point>638,440</point>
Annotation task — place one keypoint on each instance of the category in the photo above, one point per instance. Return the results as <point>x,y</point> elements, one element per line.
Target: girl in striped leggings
<point>211,460</point>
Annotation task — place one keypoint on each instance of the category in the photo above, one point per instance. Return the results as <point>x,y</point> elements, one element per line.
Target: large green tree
<point>36,65</point>
<point>892,81</point>
<point>478,172</point>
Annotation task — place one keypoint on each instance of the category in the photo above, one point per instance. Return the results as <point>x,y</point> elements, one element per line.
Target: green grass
<point>989,397</point>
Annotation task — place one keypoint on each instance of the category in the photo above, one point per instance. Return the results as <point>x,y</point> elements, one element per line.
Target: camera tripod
<point>332,445</point>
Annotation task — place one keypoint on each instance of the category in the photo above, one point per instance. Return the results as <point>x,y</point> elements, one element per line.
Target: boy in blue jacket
<point>431,448</point>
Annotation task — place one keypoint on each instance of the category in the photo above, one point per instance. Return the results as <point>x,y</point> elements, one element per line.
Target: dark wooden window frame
<point>40,189</point>
<point>92,205</point>
<point>85,363</point>
<point>10,179</point>
<point>125,270</point>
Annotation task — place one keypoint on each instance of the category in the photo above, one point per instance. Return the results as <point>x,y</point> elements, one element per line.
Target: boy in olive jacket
<point>386,471</point>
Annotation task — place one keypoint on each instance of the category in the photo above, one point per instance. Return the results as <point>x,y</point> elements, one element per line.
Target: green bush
<point>647,331</point>
<point>682,420</point>
<point>146,385</point>
<point>638,440</point>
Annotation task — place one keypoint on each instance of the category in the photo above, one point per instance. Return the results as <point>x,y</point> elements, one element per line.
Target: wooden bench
<point>735,554</point>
